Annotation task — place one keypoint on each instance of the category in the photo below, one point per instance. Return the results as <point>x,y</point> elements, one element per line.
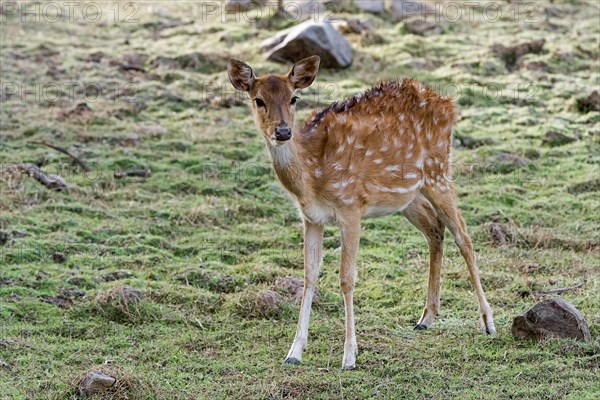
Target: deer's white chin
<point>278,143</point>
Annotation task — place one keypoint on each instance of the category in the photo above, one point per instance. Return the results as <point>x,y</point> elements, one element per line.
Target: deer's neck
<point>287,163</point>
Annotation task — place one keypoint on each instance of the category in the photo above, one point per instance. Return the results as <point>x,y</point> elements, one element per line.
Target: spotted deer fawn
<point>385,151</point>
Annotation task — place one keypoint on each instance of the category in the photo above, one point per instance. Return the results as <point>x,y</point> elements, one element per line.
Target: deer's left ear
<point>304,72</point>
<point>240,74</point>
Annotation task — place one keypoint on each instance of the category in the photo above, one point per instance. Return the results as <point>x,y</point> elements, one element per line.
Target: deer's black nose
<point>283,133</point>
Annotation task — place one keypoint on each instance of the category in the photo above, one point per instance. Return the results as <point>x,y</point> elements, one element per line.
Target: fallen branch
<point>64,151</point>
<point>144,173</point>
<point>53,182</point>
<point>560,290</point>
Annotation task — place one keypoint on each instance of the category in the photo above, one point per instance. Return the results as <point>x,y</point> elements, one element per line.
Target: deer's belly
<point>382,210</point>
<point>318,213</point>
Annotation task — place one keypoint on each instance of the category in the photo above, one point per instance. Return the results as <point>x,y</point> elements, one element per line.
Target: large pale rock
<point>551,318</point>
<point>372,6</point>
<point>308,39</point>
<point>95,383</point>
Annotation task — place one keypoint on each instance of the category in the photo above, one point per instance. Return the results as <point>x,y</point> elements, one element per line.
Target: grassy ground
<point>211,229</point>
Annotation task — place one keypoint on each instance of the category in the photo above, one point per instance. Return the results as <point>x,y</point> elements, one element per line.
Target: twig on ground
<point>81,163</point>
<point>144,173</point>
<point>560,290</point>
<point>53,182</point>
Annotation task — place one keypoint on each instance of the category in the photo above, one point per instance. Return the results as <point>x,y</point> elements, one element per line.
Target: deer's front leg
<point>350,239</point>
<point>313,253</point>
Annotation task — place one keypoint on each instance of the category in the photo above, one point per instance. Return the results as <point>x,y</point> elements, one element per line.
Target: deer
<point>387,150</point>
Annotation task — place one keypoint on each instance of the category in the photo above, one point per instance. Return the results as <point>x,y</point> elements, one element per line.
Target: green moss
<point>211,229</point>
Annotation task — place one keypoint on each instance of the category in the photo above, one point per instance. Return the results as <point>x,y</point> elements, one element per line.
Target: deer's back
<point>388,142</point>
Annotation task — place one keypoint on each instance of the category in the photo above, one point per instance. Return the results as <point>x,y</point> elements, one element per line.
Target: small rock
<point>94,57</point>
<point>59,301</point>
<point>135,59</point>
<point>95,382</point>
<point>59,257</point>
<point>372,6</point>
<point>4,237</point>
<point>535,66</point>
<point>498,234</point>
<point>590,103</point>
<point>551,318</point>
<point>512,55</point>
<point>73,292</point>
<point>506,163</point>
<point>114,276</point>
<point>369,38</point>
<point>15,298</point>
<point>206,63</point>
<point>81,110</point>
<point>308,39</point>
<point>7,282</point>
<point>581,187</point>
<point>554,139</point>
<point>422,28</point>
<point>527,267</point>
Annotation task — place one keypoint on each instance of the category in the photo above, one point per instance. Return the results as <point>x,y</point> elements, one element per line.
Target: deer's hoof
<point>348,367</point>
<point>490,330</point>
<point>420,327</point>
<point>292,360</point>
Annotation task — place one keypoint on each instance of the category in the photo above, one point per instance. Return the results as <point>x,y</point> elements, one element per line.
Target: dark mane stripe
<point>339,107</point>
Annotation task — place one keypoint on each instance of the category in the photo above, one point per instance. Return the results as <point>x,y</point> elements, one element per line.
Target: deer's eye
<point>259,102</point>
<point>294,100</point>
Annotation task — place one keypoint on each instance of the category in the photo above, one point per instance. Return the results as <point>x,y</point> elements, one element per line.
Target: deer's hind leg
<point>443,198</point>
<point>423,216</point>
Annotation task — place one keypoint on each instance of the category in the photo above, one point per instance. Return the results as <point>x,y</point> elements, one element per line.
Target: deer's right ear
<point>304,72</point>
<point>240,74</point>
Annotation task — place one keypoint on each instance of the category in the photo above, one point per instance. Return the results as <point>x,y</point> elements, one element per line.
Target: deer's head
<point>274,96</point>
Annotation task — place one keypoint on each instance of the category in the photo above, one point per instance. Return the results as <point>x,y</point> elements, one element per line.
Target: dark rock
<point>551,318</point>
<point>512,55</point>
<point>585,187</point>
<point>114,276</point>
<point>507,163</point>
<point>4,237</point>
<point>554,139</point>
<point>59,301</point>
<point>70,292</point>
<point>200,62</point>
<point>498,234</point>
<point>308,39</point>
<point>95,382</point>
<point>469,142</point>
<point>590,103</point>
<point>94,57</point>
<point>535,66</point>
<point>59,257</point>
<point>422,28</point>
